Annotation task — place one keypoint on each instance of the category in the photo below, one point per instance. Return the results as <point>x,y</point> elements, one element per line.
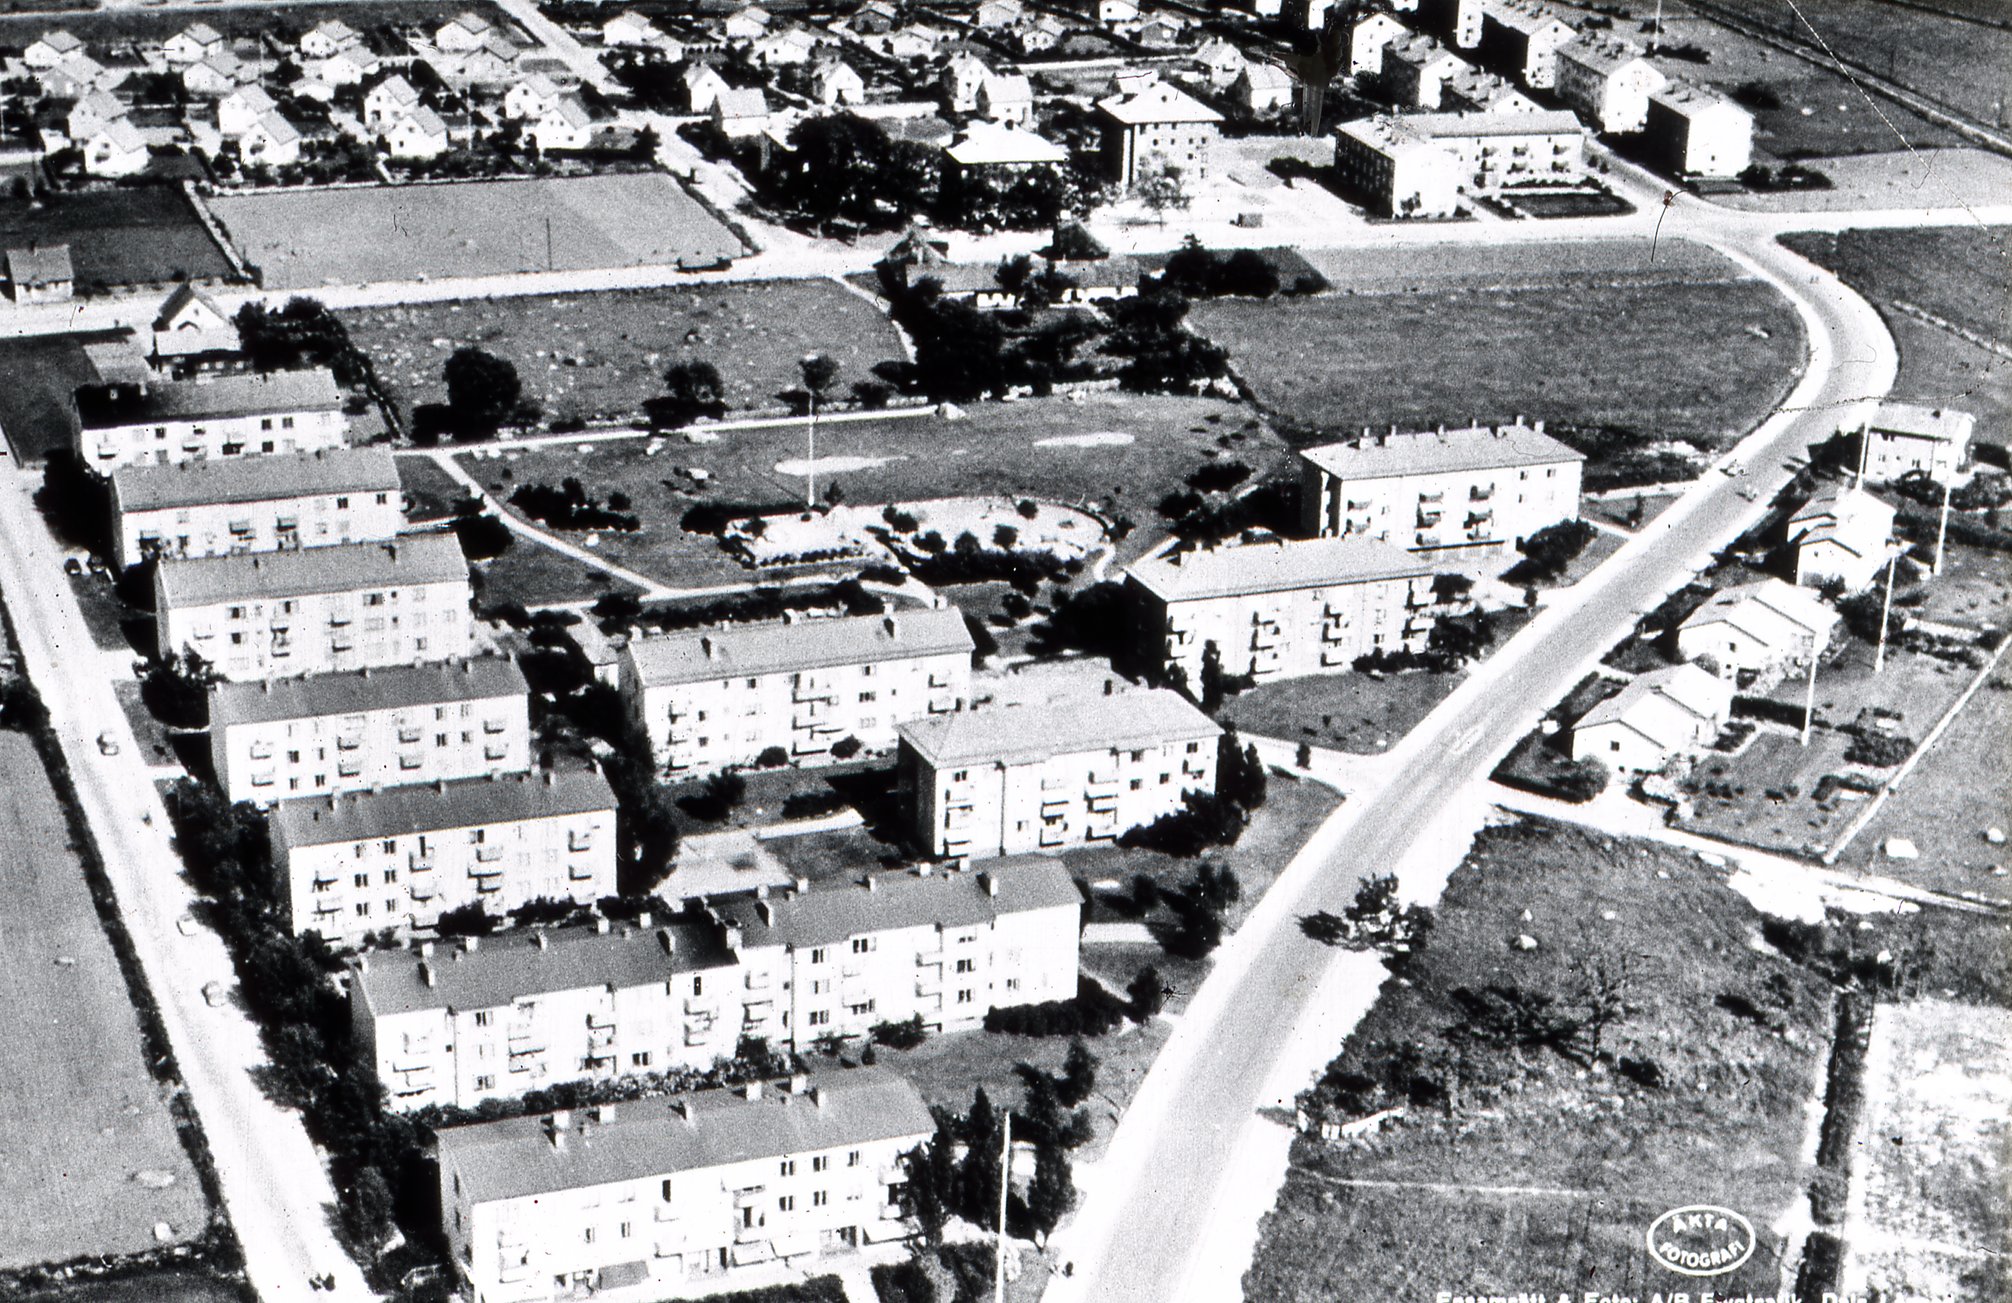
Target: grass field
<point>81,1179</point>
<point>1347,712</point>
<point>167,1286</point>
<point>137,235</point>
<point>1549,265</point>
<point>1697,362</point>
<point>1935,1137</point>
<point>1898,178</point>
<point>598,357</point>
<point>1957,273</point>
<point>1519,1168</point>
<point>35,409</point>
<point>430,493</point>
<point>305,239</point>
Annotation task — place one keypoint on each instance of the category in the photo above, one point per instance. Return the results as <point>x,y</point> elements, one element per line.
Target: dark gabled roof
<point>41,265</point>
<point>353,692</point>
<point>271,478</point>
<point>341,568</point>
<point>272,394</point>
<point>465,803</point>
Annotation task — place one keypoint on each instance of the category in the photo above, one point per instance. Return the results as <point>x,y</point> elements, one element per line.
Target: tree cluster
<point>1548,551</point>
<point>569,507</point>
<point>303,333</point>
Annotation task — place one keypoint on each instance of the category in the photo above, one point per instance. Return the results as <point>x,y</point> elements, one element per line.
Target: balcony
<point>749,1196</point>
<point>408,736</point>
<point>485,869</point>
<point>348,741</point>
<point>419,863</point>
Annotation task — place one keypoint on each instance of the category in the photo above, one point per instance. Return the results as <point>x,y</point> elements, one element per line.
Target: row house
<point>677,1194</point>
<point>1029,778</point>
<point>1842,535</point>
<point>128,423</point>
<point>1476,490</point>
<point>256,504</point>
<point>457,1024</point>
<point>349,732</point>
<point>1607,81</point>
<point>313,610</point>
<point>1158,127</point>
<point>1395,170</point>
<point>1499,151</point>
<point>716,698</point>
<point>398,858</point>
<point>1903,439</point>
<point>1756,633</point>
<point>1279,609</point>
<point>1660,716</point>
<point>1699,132</point>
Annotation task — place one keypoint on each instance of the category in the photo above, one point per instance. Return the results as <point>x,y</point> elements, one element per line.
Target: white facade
<point>313,610</point>
<point>1397,171</point>
<point>718,698</point>
<point>1608,82</point>
<point>1501,150</point>
<point>1757,632</point>
<point>1448,493</point>
<point>1158,127</point>
<point>455,1024</point>
<point>256,504</point>
<point>1700,132</point>
<point>330,733</point>
<point>1039,778</point>
<point>632,1200</point>
<point>1659,716</point>
<point>358,864</point>
<point>176,421</point>
<point>1366,42</point>
<point>1843,535</point>
<point>1904,439</point>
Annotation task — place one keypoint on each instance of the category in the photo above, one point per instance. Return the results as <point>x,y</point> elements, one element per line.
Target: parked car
<point>73,567</point>
<point>214,994</point>
<point>107,744</point>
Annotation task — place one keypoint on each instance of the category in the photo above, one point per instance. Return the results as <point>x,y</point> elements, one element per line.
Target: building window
<point>818,1198</point>
<point>484,1017</point>
<point>861,945</point>
<point>787,1203</point>
<point>851,1159</point>
<point>788,1167</point>
<point>820,1162</point>
<point>964,997</point>
<point>640,1060</point>
<point>967,965</point>
<point>485,1083</point>
<point>817,955</point>
<point>588,1235</point>
<point>819,1017</point>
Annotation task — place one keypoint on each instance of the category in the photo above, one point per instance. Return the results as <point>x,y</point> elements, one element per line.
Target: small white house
<point>1759,631</point>
<point>345,67</point>
<point>92,111</point>
<point>50,49</point>
<point>532,96</point>
<point>833,82</point>
<point>962,77</point>
<point>568,125</point>
<point>192,44</point>
<point>1840,534</point>
<point>627,29</point>
<point>748,24</point>
<point>994,14</point>
<point>740,112</point>
<point>463,34</point>
<point>115,149</point>
<point>272,141</point>
<point>703,86</point>
<point>237,111</point>
<point>216,74</point>
<point>1660,716</point>
<point>1366,41</point>
<point>388,101</point>
<point>1262,89</point>
<point>1219,62</point>
<point>420,134</point>
<point>1007,98</point>
<point>1903,439</point>
<point>327,38</point>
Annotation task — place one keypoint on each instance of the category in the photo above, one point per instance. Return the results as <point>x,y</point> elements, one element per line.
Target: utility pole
<point>1864,443</point>
<point>810,456</point>
<point>548,244</point>
<point>1885,606</point>
<point>1809,697</point>
<point>1941,531</point>
<point>1005,1184</point>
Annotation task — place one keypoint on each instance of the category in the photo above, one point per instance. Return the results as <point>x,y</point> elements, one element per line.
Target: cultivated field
<point>1956,273</point>
<point>137,235</point>
<point>1935,1140</point>
<point>305,239</point>
<point>599,357</point>
<point>92,1160</point>
<point>1520,1167</point>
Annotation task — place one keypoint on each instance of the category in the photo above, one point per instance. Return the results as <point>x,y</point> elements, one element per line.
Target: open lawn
<point>430,493</point>
<point>135,235</point>
<point>1549,265</point>
<point>1347,712</point>
<point>1900,178</point>
<point>531,574</point>
<point>102,1162</point>
<point>599,357</point>
<point>146,1287</point>
<point>1958,273</point>
<point>1519,1167</point>
<point>304,239</point>
<point>1935,1139</point>
<point>1695,362</point>
<point>42,373</point>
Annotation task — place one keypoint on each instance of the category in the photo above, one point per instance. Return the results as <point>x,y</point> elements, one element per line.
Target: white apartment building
<point>223,416</point>
<point>632,1200</point>
<point>1698,131</point>
<point>255,504</point>
<point>1280,609</point>
<point>1524,36</point>
<point>498,1016</point>
<point>1497,151</point>
<point>353,605</point>
<point>359,863</point>
<point>350,732</point>
<point>1157,127</point>
<point>1444,493</point>
<point>1904,438</point>
<point>1399,172</point>
<point>1609,81</point>
<point>714,698</point>
<point>1041,777</point>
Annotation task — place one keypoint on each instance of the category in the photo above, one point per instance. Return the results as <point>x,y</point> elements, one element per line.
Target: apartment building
<point>1903,439</point>
<point>1157,127</point>
<point>1459,21</point>
<point>1280,609</point>
<point>1396,171</point>
<point>358,863</point>
<point>315,610</point>
<point>255,504</point>
<point>1523,37</point>
<point>1416,69</point>
<point>161,421</point>
<point>1445,493</point>
<point>1497,151</point>
<point>714,698</point>
<point>1040,777</point>
<point>350,732</point>
<point>1699,132</point>
<point>1608,81</point>
<point>661,1194</point>
<point>498,1016</point>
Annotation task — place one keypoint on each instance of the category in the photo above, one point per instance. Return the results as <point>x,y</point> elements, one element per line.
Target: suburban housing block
<point>460,1024</point>
<point>349,732</point>
<point>1157,127</point>
<point>1756,632</point>
<point>1477,489</point>
<point>255,504</point>
<point>225,416</point>
<point>399,858</point>
<point>262,614</point>
<point>1657,716</point>
<point>714,698</point>
<point>667,1192</point>
<point>1279,609</point>
<point>1027,778</point>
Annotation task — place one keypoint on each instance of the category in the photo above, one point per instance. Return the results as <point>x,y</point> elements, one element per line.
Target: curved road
<point>1150,1230</point>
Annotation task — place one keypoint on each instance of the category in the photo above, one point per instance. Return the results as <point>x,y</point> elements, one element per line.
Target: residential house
<point>193,44</point>
<point>255,504</point>
<point>531,96</point>
<point>1007,98</point>
<point>1131,81</point>
<point>995,14</point>
<point>241,108</point>
<point>961,78</point>
<point>387,102</point>
<point>1661,715</point>
<point>216,74</point>
<point>347,606</point>
<point>1157,32</point>
<point>328,38</point>
<point>1447,493</point>
<point>1039,32</point>
<point>740,112</point>
<point>702,86</point>
<point>833,82</point>
<point>787,48</point>
<point>713,699</point>
<point>330,733</point>
<point>1158,127</point>
<point>569,125</point>
<point>1841,534</point>
<point>1367,41</point>
<point>792,965</point>
<point>1415,68</point>
<point>50,49</point>
<point>1473,91</point>
<point>1756,632</point>
<point>421,134</point>
<point>992,146</point>
<point>115,149</point>
<point>98,108</point>
<point>463,34</point>
<point>360,863</point>
<point>40,274</point>
<point>186,420</point>
<point>1014,779</point>
<point>1608,81</point>
<point>192,332</point>
<point>75,77</point>
<point>1219,62</point>
<point>1902,439</point>
<point>349,67</point>
<point>1263,89</point>
<point>1699,132</point>
<point>271,142</point>
<point>873,18</point>
<point>1523,37</point>
<point>1279,609</point>
<point>629,29</point>
<point>497,62</point>
<point>748,24</point>
<point>1110,12</point>
<point>663,1193</point>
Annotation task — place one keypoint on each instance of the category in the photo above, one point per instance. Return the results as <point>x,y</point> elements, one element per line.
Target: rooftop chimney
<point>706,645</point>
<point>538,939</point>
<point>363,963</point>
<point>893,627</point>
<point>870,882</point>
<point>991,883</point>
<point>682,1106</point>
<point>668,939</point>
<point>426,950</point>
<point>761,892</point>
<point>604,1113</point>
<point>799,1084</point>
<point>426,972</point>
<point>752,1090</point>
<point>765,911</point>
<point>801,884</point>
<point>643,919</point>
<point>817,1095</point>
<point>550,778</point>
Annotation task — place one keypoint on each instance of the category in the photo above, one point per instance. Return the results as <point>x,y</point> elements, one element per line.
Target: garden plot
<point>924,529</point>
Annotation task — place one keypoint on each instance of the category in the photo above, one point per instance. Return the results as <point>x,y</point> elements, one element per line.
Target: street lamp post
<point>1885,606</point>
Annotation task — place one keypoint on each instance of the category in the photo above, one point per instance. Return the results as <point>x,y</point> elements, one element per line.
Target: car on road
<point>186,925</point>
<point>107,744</point>
<point>214,994</point>
<point>97,567</point>
<point>73,567</point>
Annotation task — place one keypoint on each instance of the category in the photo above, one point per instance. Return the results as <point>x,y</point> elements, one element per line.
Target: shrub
<point>904,1035</point>
<point>1148,993</point>
<point>1092,1012</point>
<point>846,747</point>
<point>1878,750</point>
<point>1550,550</point>
<point>772,758</point>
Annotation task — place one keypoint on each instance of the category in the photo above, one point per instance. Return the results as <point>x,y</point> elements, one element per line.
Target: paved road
<point>275,1189</point>
<point>1147,1234</point>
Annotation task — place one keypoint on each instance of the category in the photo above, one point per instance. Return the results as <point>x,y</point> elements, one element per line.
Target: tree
<point>1148,993</point>
<point>1079,1074</point>
<point>1053,1190</point>
<point>978,1176</point>
<point>820,374</point>
<point>1241,776</point>
<point>1162,191</point>
<point>370,1207</point>
<point>694,389</point>
<point>483,391</point>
